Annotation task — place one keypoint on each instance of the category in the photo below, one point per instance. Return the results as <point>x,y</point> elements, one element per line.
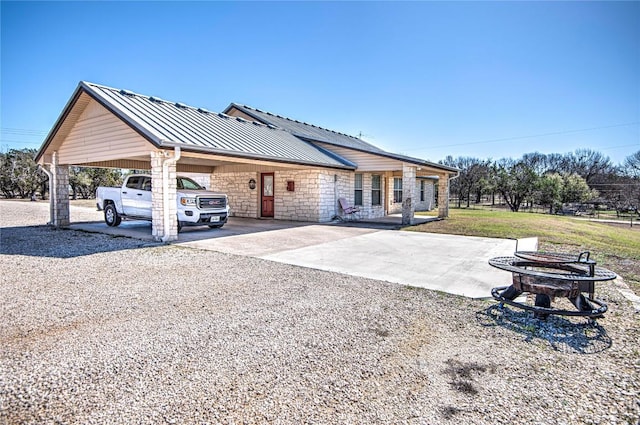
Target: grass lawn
<point>614,246</point>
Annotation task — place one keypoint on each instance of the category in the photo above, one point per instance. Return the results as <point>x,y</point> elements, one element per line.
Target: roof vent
<point>221,115</point>
<point>256,123</point>
<point>271,126</point>
<point>181,105</point>
<point>127,92</point>
<point>156,99</point>
<point>241,119</point>
<point>204,111</point>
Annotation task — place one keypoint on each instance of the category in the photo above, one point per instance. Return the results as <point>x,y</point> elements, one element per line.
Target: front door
<point>267,195</point>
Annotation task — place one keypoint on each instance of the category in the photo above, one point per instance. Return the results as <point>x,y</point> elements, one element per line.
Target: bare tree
<point>632,165</point>
<point>588,164</point>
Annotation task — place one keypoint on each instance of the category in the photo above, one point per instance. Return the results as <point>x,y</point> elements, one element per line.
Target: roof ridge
<point>179,105</point>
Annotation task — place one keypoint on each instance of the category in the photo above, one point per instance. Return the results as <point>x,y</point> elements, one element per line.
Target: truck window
<point>133,182</point>
<point>187,183</point>
<point>146,185</point>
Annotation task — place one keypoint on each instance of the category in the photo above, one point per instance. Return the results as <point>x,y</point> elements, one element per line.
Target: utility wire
<point>555,133</point>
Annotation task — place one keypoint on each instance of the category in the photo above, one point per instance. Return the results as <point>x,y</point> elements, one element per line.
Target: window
<point>397,190</point>
<point>422,185</point>
<point>134,182</point>
<point>187,183</point>
<point>358,190</point>
<point>146,184</point>
<point>376,198</point>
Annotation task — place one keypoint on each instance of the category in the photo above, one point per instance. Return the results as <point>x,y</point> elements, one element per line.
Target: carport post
<point>164,219</point>
<point>408,193</point>
<point>443,195</point>
<point>59,193</point>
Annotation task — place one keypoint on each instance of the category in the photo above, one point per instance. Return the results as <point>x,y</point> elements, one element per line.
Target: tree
<point>85,181</point>
<point>576,189</point>
<point>588,164</point>
<point>515,180</point>
<point>19,174</point>
<point>472,179</point>
<point>549,193</point>
<point>632,165</point>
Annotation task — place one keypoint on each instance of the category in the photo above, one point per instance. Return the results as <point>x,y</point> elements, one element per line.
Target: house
<point>269,165</point>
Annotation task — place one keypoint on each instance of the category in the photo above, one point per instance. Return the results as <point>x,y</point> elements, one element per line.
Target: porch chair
<point>350,211</point>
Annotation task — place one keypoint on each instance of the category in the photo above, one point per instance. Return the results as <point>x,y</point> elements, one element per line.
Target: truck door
<point>130,195</point>
<point>144,200</point>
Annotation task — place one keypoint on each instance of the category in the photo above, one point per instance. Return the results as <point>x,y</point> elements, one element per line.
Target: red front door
<point>267,195</point>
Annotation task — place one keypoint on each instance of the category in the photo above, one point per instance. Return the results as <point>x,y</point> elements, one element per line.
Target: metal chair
<point>351,211</point>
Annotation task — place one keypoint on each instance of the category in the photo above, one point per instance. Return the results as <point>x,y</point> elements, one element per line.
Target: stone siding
<point>157,199</point>
<point>59,189</point>
<point>429,196</point>
<point>243,201</point>
<point>314,198</point>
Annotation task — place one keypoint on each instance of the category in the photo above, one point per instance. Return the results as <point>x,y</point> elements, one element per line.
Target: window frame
<point>376,192</point>
<point>397,190</point>
<point>358,191</point>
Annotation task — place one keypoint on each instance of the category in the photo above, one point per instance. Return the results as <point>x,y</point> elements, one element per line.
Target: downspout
<point>52,192</point>
<point>165,191</point>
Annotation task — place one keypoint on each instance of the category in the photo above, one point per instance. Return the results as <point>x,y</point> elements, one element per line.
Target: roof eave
<point>390,155</point>
<point>261,157</point>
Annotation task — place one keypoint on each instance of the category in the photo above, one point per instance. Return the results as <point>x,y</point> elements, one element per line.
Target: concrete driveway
<point>453,264</point>
<point>449,263</point>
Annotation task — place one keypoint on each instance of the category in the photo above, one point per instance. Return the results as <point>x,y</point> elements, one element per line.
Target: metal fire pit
<point>548,275</point>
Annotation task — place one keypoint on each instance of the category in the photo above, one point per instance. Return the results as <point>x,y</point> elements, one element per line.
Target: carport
<point>106,127</point>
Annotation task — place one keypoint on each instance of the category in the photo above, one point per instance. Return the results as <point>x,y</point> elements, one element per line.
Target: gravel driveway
<point>108,330</point>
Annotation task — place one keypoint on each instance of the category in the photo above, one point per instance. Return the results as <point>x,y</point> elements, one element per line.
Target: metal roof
<point>307,131</point>
<point>169,124</point>
<point>313,133</point>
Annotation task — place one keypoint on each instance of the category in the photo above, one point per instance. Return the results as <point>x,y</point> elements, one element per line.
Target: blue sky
<point>425,79</point>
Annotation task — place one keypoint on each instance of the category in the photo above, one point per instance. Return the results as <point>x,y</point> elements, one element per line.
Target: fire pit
<point>548,275</point>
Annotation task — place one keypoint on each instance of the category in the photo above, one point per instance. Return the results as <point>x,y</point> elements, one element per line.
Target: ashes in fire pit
<point>548,275</point>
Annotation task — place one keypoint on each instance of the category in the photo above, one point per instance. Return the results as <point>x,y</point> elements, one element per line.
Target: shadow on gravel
<point>45,241</point>
<point>580,336</point>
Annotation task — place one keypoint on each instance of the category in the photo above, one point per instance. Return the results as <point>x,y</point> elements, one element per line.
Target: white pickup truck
<point>196,205</point>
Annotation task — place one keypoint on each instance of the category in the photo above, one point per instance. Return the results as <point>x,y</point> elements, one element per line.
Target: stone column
<point>160,229</point>
<point>443,196</point>
<point>408,193</point>
<point>59,193</point>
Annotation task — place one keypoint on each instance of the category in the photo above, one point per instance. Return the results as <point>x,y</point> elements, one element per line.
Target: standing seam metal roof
<point>174,124</point>
<point>313,133</point>
<point>307,131</point>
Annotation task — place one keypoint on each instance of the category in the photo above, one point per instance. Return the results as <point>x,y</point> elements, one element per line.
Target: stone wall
<point>429,196</point>
<point>303,202</point>
<point>243,201</point>
<point>314,198</point>
<point>427,205</point>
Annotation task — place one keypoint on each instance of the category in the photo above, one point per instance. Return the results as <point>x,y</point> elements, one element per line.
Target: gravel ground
<point>104,330</point>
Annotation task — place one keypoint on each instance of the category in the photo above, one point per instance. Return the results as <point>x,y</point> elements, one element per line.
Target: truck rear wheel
<point>111,216</point>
